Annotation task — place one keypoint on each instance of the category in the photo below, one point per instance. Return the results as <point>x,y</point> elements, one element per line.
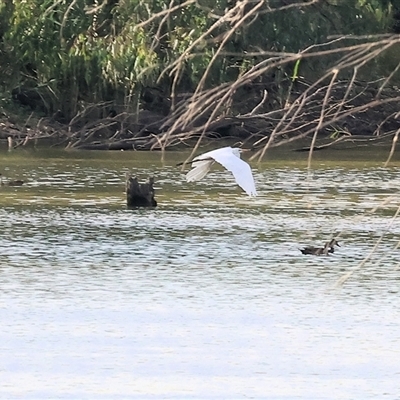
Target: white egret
<point>229,158</point>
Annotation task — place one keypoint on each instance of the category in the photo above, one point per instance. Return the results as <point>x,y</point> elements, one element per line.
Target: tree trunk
<point>139,194</point>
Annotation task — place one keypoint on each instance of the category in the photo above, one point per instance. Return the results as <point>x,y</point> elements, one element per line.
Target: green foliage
<point>85,51</point>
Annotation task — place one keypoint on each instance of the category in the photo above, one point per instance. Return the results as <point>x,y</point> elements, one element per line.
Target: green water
<point>207,295</point>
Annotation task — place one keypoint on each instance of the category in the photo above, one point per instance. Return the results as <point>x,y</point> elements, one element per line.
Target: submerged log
<point>139,194</point>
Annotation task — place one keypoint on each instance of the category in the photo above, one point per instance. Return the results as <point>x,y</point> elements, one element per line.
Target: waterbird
<point>229,158</point>
<point>318,251</point>
<point>16,182</point>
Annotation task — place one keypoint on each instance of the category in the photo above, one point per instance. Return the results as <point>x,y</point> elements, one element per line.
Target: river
<point>206,296</point>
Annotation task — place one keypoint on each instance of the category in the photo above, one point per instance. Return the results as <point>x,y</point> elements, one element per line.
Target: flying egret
<point>229,158</point>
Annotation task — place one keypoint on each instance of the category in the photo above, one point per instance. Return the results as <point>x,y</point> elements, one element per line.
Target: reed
<point>217,64</point>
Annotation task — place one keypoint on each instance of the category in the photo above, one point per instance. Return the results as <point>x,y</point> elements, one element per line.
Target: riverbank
<point>369,118</point>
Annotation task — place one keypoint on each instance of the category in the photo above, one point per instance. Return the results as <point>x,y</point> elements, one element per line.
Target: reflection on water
<point>206,296</point>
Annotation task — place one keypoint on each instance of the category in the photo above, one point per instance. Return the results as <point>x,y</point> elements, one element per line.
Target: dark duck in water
<point>15,182</point>
<point>319,251</point>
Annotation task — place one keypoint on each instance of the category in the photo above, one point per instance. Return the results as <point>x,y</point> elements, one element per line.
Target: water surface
<point>206,296</point>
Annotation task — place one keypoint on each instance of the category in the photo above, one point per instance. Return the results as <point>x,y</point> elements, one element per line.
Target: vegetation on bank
<point>135,73</point>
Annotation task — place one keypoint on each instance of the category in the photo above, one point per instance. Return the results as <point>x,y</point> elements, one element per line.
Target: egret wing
<point>239,168</point>
<point>199,169</point>
<point>214,153</point>
<point>202,164</point>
